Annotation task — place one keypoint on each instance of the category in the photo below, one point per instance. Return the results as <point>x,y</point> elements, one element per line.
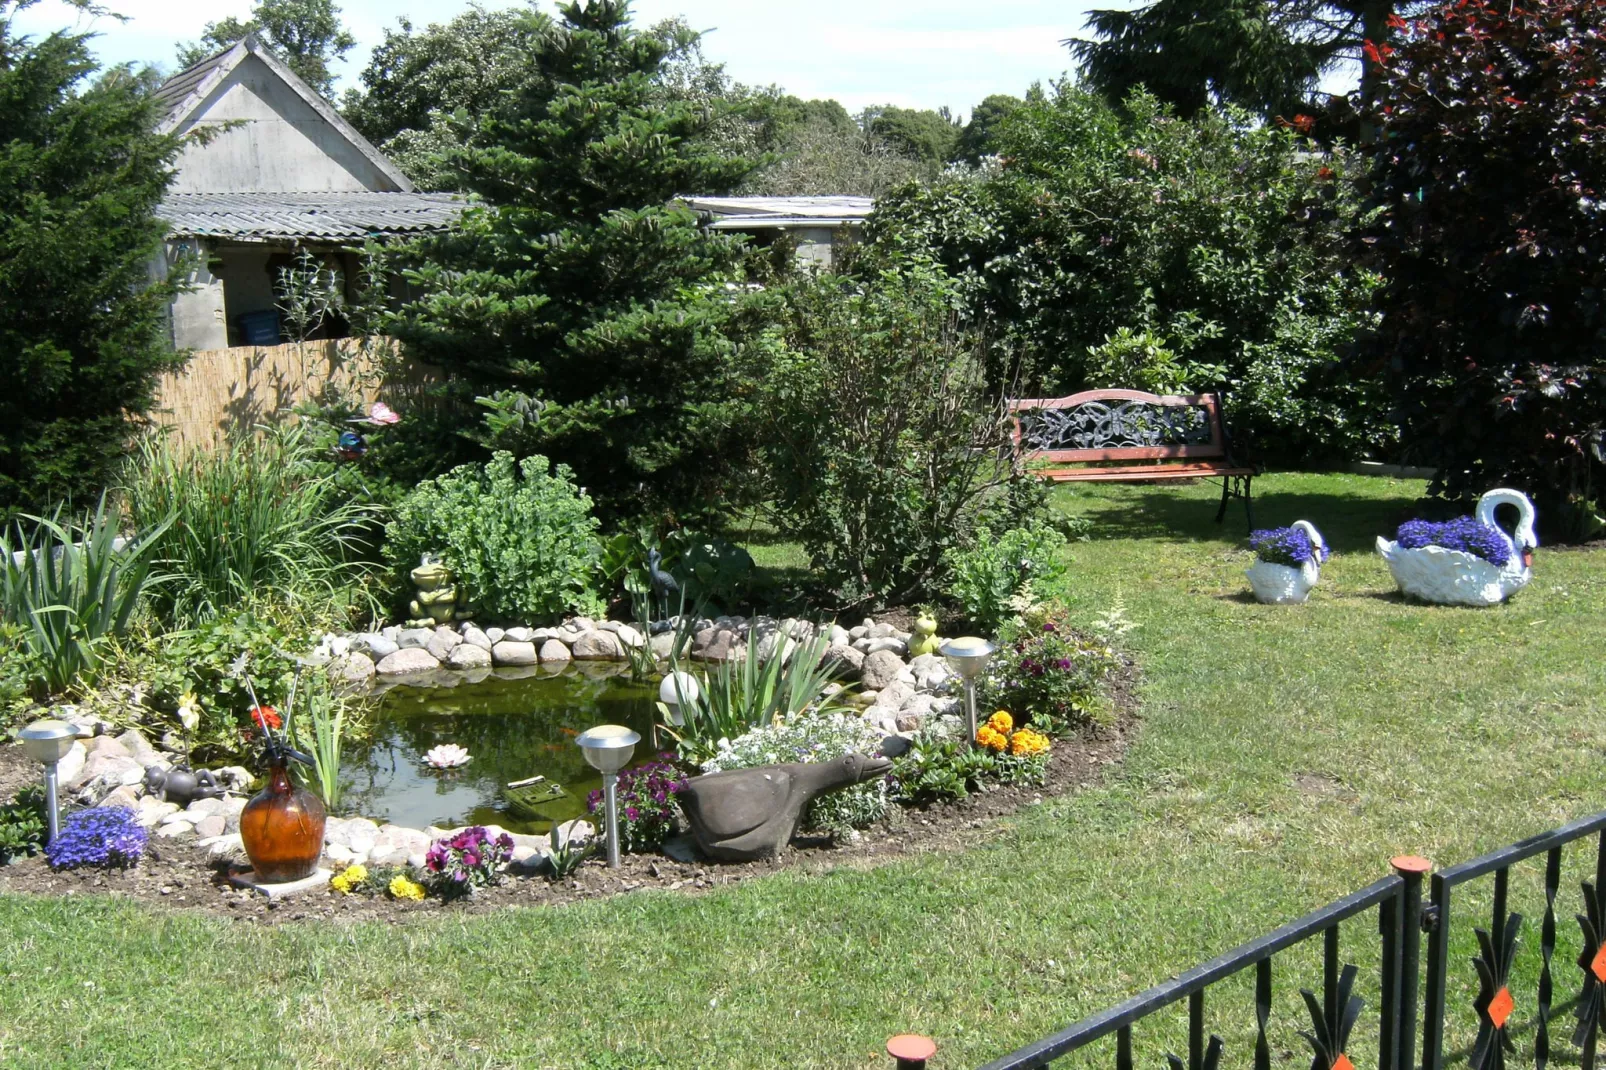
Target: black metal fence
<point>1402,918</point>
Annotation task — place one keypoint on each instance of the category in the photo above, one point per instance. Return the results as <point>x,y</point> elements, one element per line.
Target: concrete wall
<point>282,144</point>
<point>197,315</point>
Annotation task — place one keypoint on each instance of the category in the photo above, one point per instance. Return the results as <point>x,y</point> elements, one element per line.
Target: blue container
<point>258,328</point>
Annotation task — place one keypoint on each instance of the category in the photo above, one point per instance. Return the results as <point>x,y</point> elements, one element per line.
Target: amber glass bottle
<point>282,827</point>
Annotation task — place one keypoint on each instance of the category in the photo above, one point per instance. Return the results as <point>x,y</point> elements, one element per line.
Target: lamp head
<point>608,747</point>
<point>47,742</point>
<point>967,656</point>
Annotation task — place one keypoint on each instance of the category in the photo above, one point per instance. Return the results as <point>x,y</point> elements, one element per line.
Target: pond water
<point>514,728</point>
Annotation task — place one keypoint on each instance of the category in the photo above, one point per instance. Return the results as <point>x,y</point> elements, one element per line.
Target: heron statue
<point>663,584</point>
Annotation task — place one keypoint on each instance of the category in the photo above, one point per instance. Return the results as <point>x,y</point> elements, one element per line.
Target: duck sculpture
<point>1279,585</point>
<point>1456,577</point>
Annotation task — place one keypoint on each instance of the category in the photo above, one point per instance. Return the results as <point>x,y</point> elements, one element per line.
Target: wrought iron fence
<point>1402,918</point>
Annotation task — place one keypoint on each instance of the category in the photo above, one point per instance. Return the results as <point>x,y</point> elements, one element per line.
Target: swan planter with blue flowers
<point>1288,562</point>
<point>1465,562</point>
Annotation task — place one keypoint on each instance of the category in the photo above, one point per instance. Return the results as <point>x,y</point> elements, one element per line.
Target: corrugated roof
<point>307,216</point>
<point>833,209</point>
<point>177,89</point>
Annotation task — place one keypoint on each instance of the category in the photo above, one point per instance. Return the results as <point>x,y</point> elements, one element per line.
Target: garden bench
<point>1151,438</point>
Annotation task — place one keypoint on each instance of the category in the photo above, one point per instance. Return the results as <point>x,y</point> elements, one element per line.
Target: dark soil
<point>181,875</point>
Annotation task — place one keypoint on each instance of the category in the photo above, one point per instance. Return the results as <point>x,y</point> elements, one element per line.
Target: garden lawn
<point>1286,754</point>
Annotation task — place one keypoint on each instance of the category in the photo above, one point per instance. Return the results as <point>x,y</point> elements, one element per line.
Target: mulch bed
<point>180,876</point>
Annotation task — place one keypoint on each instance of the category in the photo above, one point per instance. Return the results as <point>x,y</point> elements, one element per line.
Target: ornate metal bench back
<point>1116,425</point>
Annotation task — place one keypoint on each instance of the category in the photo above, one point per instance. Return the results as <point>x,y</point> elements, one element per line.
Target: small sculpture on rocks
<point>744,814</point>
<point>181,785</point>
<point>436,601</point>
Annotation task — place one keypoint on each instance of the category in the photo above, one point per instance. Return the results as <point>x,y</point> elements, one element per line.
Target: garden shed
<point>281,171</point>
<point>817,224</point>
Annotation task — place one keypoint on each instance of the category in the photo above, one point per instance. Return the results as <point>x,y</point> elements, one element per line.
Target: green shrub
<point>986,577</point>
<point>22,825</point>
<point>256,515</point>
<point>1049,677</point>
<point>711,570</point>
<point>521,539</point>
<point>71,590</point>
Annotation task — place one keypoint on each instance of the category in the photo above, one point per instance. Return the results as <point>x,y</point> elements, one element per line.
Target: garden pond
<point>514,727</point>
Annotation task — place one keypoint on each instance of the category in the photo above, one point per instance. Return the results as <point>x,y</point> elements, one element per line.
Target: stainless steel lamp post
<point>47,742</point>
<point>608,748</point>
<point>967,656</point>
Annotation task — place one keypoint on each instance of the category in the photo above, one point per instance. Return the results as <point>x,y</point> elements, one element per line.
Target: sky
<point>913,53</point>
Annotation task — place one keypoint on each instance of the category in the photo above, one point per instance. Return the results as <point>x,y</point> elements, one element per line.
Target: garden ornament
<point>925,639</point>
<point>1281,584</point>
<point>662,582</point>
<point>1440,574</point>
<point>181,785</point>
<point>744,814</point>
<point>436,601</point>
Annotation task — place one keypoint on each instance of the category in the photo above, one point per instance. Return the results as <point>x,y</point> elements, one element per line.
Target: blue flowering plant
<point>647,806</point>
<point>102,836</point>
<point>1467,534</point>
<point>455,865</point>
<point>1286,546</point>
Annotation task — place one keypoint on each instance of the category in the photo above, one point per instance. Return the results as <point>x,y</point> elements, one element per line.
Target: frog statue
<point>437,601</point>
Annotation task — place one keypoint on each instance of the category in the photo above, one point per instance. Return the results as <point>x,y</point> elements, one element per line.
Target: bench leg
<point>1226,493</point>
<point>1249,502</point>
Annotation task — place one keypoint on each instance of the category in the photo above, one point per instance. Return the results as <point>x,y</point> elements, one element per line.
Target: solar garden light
<point>678,687</point>
<point>967,657</point>
<point>47,742</point>
<point>607,748</point>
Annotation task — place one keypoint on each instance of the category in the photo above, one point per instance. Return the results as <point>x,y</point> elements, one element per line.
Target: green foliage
<point>941,767</point>
<point>315,722</point>
<point>928,136</point>
<point>71,591</point>
<point>256,515</point>
<point>980,136</point>
<point>1140,360</point>
<point>1049,677</point>
<point>879,432</point>
<point>587,316</point>
<point>986,577</point>
<point>1490,230</point>
<point>711,570</point>
<point>20,667</point>
<point>306,34</point>
<point>1216,242</point>
<point>775,679</point>
<point>820,156</point>
<point>83,339</point>
<point>521,538</point>
<point>567,853</point>
<point>23,825</point>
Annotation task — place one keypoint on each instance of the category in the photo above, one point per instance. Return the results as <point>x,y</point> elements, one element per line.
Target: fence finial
<point>1409,864</point>
<point>911,1051</point>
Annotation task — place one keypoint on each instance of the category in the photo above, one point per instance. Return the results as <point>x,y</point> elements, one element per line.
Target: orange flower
<point>266,717</point>
<point>1001,722</point>
<point>991,738</point>
<point>1025,743</point>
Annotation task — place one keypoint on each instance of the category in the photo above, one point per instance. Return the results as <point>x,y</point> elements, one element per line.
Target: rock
<point>443,642</point>
<point>407,661</point>
<point>608,626</point>
<point>203,808</point>
<point>414,638</point>
<point>208,827</point>
<point>715,643</point>
<point>578,830</point>
<point>892,643</point>
<point>106,745</point>
<point>390,856</point>
<point>906,676</point>
<point>745,814</point>
<point>235,778</point>
<point>417,860</point>
<point>541,635</point>
<point>393,633</point>
<point>513,652</point>
<point>468,656</point>
<point>945,707</point>
<point>858,632</point>
<point>598,646</point>
<point>220,847</point>
<point>843,660</point>
<point>879,631</point>
<point>174,829</point>
<point>933,679</point>
<point>474,637</point>
<point>926,662</point>
<point>338,855</point>
<point>581,624</point>
<point>139,748</point>
<point>495,635</point>
<point>841,635</point>
<point>125,795</point>
<point>352,670</point>
<point>553,651</point>
<point>895,695</point>
<point>883,718</point>
<point>909,721</point>
<point>71,764</point>
<point>361,835</point>
<point>880,669</point>
<point>682,848</point>
<point>102,773</point>
<point>518,635</point>
<point>663,645</point>
<point>629,638</point>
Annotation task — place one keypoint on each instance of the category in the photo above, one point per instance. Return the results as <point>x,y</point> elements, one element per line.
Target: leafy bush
<point>814,737</point>
<point>458,864</point>
<point>257,514</point>
<point>521,540</point>
<point>647,806</point>
<point>100,836</point>
<point>710,569</point>
<point>1285,546</point>
<point>1050,678</point>
<point>941,767</point>
<point>880,434</point>
<point>71,590</point>
<point>23,825</point>
<point>1491,230</point>
<point>1123,241</point>
<point>986,577</point>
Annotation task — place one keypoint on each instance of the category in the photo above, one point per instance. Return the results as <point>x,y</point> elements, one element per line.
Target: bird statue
<point>744,814</point>
<point>1277,584</point>
<point>351,446</point>
<point>1457,577</point>
<point>662,582</point>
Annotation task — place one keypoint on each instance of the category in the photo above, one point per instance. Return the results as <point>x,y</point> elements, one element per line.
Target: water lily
<point>447,756</point>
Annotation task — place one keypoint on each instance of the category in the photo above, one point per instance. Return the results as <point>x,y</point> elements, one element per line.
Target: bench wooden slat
<point>1129,453</point>
<point>1136,474</point>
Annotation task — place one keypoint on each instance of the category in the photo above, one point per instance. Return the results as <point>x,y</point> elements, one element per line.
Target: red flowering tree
<point>1490,231</point>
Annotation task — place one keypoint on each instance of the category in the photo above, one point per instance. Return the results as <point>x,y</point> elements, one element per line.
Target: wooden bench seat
<point>1163,437</point>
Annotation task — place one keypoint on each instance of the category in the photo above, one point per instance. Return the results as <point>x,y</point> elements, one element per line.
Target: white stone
<point>71,764</point>
<point>468,656</point>
<point>880,631</point>
<point>517,635</point>
<point>629,637</point>
<point>353,669</point>
<point>840,634</point>
<point>205,808</point>
<point>474,637</point>
<point>414,638</point>
<point>280,890</point>
<point>215,825</point>
<point>495,635</point>
<point>513,652</point>
<point>408,661</point>
<point>338,854</point>
<point>597,646</point>
<point>890,642</point>
<point>443,642</point>
<point>174,829</point>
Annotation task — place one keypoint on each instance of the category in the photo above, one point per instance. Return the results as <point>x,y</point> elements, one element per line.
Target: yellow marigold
<point>1026,743</point>
<point>1001,722</point>
<point>349,879</point>
<point>402,888</point>
<point>991,738</point>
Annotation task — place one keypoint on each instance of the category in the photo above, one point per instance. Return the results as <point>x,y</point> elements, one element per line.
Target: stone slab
<point>281,890</point>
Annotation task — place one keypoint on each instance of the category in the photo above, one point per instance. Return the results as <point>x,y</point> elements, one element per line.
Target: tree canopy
<point>307,34</point>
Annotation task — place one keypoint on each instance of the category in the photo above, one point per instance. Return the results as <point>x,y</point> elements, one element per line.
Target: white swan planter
<point>1457,578</point>
<point>1283,585</point>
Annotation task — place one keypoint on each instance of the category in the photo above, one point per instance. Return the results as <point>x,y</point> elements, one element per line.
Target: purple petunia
<point>1467,534</point>
<point>468,859</point>
<point>647,803</point>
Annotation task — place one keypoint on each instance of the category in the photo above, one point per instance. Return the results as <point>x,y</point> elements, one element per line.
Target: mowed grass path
<point>1286,754</point>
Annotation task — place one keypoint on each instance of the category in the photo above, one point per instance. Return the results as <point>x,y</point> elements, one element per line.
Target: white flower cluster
<point>813,738</point>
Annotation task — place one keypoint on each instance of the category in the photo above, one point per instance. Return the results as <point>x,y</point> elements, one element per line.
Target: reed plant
<point>317,724</point>
<point>71,587</point>
<point>257,514</point>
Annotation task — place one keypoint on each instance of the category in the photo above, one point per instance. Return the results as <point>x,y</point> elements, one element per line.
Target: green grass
<point>1440,731</point>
